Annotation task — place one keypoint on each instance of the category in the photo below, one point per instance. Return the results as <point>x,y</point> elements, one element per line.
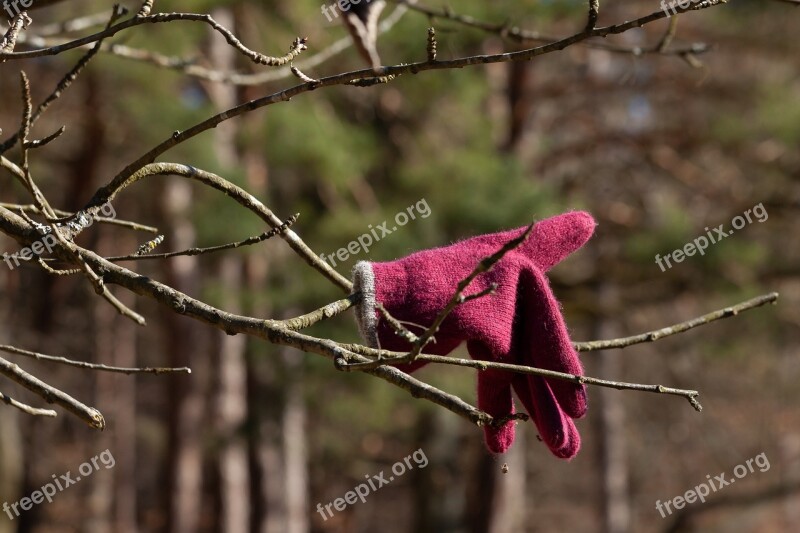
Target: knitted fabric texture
<point>521,323</point>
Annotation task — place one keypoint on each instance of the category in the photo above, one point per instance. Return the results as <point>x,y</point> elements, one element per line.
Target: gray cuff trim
<point>364,281</point>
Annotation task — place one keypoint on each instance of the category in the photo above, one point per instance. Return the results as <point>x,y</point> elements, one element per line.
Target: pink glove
<point>520,324</point>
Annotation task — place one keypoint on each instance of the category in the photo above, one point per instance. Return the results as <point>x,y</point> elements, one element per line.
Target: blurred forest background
<point>654,146</point>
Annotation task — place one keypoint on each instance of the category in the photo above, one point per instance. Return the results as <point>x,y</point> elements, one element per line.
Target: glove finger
<point>555,238</point>
<point>556,429</point>
<point>546,343</point>
<point>494,397</point>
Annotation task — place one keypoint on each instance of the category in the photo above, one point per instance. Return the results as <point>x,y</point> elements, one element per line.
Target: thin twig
<point>594,12</point>
<point>70,250</point>
<point>274,332</point>
<point>690,395</point>
<point>282,332</point>
<point>73,25</point>
<point>179,137</point>
<point>147,7</point>
<point>298,45</point>
<point>199,251</point>
<point>93,366</point>
<point>21,208</point>
<point>397,326</point>
<point>655,335</point>
<point>245,199</point>
<point>90,415</point>
<point>188,67</point>
<point>431,46</point>
<point>303,77</point>
<point>323,313</point>
<point>25,127</point>
<point>25,408</point>
<point>391,357</point>
<point>343,355</point>
<point>64,83</point>
<point>384,357</point>
<point>666,39</point>
<point>39,143</point>
<point>523,36</point>
<point>54,271</point>
<point>19,23</point>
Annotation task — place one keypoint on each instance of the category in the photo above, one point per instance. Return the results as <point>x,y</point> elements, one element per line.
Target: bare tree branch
<point>90,415</point>
<point>346,357</point>
<point>655,335</point>
<point>9,41</point>
<point>247,200</point>
<point>523,36</point>
<point>211,249</point>
<point>690,395</point>
<point>179,137</point>
<point>594,13</point>
<point>25,408</point>
<point>295,49</point>
<point>63,84</point>
<point>92,366</point>
<point>20,208</point>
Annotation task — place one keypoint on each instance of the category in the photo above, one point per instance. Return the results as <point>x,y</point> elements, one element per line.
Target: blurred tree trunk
<point>11,463</point>
<point>424,514</point>
<point>11,459</point>
<point>496,501</point>
<point>260,445</point>
<point>278,457</point>
<point>101,494</point>
<point>185,341</point>
<point>113,499</point>
<point>511,489</point>
<point>231,408</point>
<point>264,451</point>
<point>82,176</point>
<point>125,412</point>
<point>510,97</point>
<point>520,101</point>
<point>272,468</point>
<point>481,504</point>
<point>294,445</point>
<point>613,449</point>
